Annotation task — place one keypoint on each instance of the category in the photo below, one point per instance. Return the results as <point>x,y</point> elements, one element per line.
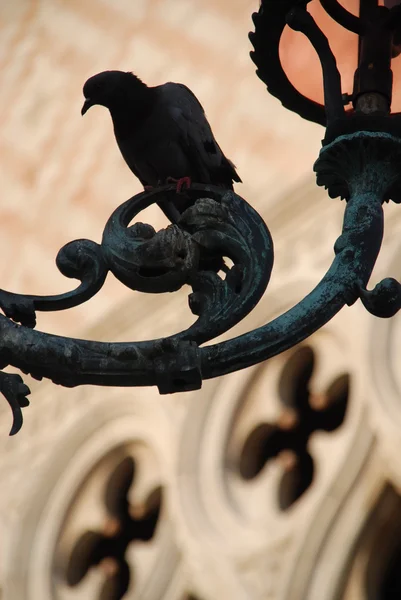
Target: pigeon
<point>162,131</point>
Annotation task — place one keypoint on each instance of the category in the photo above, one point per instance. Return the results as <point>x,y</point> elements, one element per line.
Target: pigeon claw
<point>183,183</point>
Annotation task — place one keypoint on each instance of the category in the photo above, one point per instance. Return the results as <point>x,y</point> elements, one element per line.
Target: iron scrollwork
<point>359,162</point>
<point>214,223</point>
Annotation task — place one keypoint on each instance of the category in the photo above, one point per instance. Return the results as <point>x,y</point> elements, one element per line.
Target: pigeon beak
<point>87,104</point>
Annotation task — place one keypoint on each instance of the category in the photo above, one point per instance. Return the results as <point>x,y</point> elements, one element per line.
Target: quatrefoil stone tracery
<point>110,538</point>
<point>300,412</point>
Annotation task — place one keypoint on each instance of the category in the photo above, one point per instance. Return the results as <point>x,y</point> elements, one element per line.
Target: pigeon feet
<point>181,183</point>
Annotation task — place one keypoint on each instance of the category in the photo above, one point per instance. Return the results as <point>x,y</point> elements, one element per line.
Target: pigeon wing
<point>196,137</point>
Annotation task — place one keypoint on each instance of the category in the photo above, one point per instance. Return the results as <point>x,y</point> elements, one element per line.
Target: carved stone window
<point>375,571</point>
<point>289,403</point>
<point>99,526</point>
<point>115,536</point>
<point>126,523</point>
<point>258,458</point>
<point>302,412</point>
<point>146,506</point>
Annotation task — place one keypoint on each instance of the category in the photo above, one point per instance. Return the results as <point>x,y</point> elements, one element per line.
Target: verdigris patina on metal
<point>359,162</point>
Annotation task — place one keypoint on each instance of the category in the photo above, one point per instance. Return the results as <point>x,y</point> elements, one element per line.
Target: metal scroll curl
<point>211,224</point>
<point>80,259</point>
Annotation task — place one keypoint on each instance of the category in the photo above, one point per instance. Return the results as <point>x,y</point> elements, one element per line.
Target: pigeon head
<point>110,89</point>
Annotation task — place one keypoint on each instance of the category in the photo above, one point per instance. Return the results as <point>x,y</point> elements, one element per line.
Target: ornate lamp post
<point>359,161</point>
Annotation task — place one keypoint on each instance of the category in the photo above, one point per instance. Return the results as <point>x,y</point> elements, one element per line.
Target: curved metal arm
<point>300,20</point>
<point>359,168</point>
<point>362,167</point>
<point>342,16</point>
<point>339,286</point>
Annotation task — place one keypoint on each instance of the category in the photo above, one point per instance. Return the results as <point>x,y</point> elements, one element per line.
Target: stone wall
<point>281,482</point>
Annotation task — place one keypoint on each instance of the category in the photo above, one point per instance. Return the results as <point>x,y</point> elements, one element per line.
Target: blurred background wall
<point>281,481</point>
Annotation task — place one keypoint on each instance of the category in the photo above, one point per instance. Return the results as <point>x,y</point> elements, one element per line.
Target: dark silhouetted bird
<point>162,131</point>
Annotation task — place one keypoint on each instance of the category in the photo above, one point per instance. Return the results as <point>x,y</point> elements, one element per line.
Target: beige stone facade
<point>281,482</point>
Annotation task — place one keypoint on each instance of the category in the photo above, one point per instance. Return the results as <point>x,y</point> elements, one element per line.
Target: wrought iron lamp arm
<point>350,166</point>
<point>359,162</point>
